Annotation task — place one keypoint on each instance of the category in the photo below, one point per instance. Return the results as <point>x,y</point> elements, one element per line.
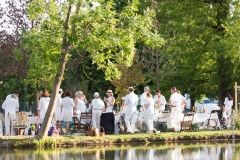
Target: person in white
<point>183,100</point>
<point>11,106</point>
<point>15,93</point>
<point>67,109</point>
<point>80,106</point>
<point>131,103</point>
<point>43,105</point>
<point>160,102</point>
<point>58,114</point>
<point>228,105</point>
<point>97,108</point>
<point>110,100</point>
<point>142,100</point>
<point>149,111</point>
<point>176,102</point>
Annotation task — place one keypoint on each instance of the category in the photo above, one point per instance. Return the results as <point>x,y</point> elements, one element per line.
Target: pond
<point>194,151</point>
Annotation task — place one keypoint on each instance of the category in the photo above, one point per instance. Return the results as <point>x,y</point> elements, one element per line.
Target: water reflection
<point>151,152</point>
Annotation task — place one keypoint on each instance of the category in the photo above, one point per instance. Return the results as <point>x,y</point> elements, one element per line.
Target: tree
<point>109,37</point>
<point>132,76</point>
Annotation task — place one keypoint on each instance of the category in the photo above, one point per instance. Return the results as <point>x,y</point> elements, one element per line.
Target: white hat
<point>96,94</point>
<point>130,88</point>
<point>109,91</point>
<point>146,87</point>
<point>60,90</point>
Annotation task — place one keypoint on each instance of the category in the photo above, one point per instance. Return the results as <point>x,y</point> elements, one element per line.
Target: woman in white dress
<point>160,101</point>
<point>43,105</point>
<point>110,100</point>
<point>97,109</point>
<point>67,108</point>
<point>80,106</point>
<point>159,104</point>
<point>228,105</point>
<point>149,112</point>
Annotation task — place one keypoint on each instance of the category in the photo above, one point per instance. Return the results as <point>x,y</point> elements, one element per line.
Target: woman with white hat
<point>109,101</point>
<point>97,109</point>
<point>80,106</point>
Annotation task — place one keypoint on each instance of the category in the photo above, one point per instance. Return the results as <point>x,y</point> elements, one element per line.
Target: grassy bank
<point>169,137</point>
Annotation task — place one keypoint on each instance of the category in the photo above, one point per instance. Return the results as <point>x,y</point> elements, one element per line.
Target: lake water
<point>201,151</point>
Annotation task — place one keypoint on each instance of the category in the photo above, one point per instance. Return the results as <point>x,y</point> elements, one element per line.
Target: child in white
<point>149,111</point>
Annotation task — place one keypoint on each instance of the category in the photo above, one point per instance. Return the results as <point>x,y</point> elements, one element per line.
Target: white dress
<point>43,106</point>
<point>109,106</point>
<point>149,112</point>
<point>228,105</point>
<point>67,108</point>
<point>81,107</point>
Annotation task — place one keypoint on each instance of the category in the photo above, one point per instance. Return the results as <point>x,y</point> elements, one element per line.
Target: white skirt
<point>67,115</point>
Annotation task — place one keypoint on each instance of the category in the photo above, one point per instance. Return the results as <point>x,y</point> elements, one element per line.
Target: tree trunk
<point>57,82</point>
<point>157,69</point>
<point>36,101</point>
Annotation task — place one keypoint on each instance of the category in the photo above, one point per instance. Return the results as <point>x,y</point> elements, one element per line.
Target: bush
<point>236,119</point>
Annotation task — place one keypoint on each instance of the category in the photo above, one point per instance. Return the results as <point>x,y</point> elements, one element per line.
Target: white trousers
<point>96,118</point>
<point>10,116</point>
<point>175,117</point>
<point>149,121</point>
<point>130,115</point>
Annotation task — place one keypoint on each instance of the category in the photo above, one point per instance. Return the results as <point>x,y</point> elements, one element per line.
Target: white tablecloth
<point>200,117</point>
<point>209,107</point>
<point>34,120</point>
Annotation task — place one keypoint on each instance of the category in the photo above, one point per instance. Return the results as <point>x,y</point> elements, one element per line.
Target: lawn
<point>144,138</point>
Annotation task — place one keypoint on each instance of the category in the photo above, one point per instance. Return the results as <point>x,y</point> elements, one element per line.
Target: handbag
<point>102,132</point>
<point>89,131</point>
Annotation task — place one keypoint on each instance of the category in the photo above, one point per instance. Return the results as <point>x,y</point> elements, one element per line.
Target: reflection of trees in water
<point>154,152</point>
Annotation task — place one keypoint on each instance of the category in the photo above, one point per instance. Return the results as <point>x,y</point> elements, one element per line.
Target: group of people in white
<point>150,108</point>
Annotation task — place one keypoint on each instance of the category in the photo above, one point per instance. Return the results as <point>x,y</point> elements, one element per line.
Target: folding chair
<point>186,123</point>
<point>161,123</point>
<point>213,121</point>
<point>85,121</point>
<point>22,121</point>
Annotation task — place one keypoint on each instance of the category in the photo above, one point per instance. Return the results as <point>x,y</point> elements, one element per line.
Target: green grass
<point>167,137</point>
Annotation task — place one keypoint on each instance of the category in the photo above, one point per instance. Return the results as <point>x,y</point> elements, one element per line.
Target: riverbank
<point>74,141</point>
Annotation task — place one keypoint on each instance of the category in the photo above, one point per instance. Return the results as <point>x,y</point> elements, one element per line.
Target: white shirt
<point>150,103</point>
<point>43,106</point>
<point>131,101</point>
<point>97,104</point>
<point>59,104</point>
<point>81,105</point>
<point>110,99</point>
<point>10,104</point>
<point>227,103</point>
<point>11,96</point>
<point>67,103</point>
<point>143,98</point>
<point>176,99</point>
<point>160,100</point>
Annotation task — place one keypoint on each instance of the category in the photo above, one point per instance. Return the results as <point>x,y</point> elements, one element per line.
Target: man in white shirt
<point>143,99</point>
<point>16,93</point>
<point>131,103</point>
<point>176,102</point>
<point>58,113</point>
<point>11,106</point>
